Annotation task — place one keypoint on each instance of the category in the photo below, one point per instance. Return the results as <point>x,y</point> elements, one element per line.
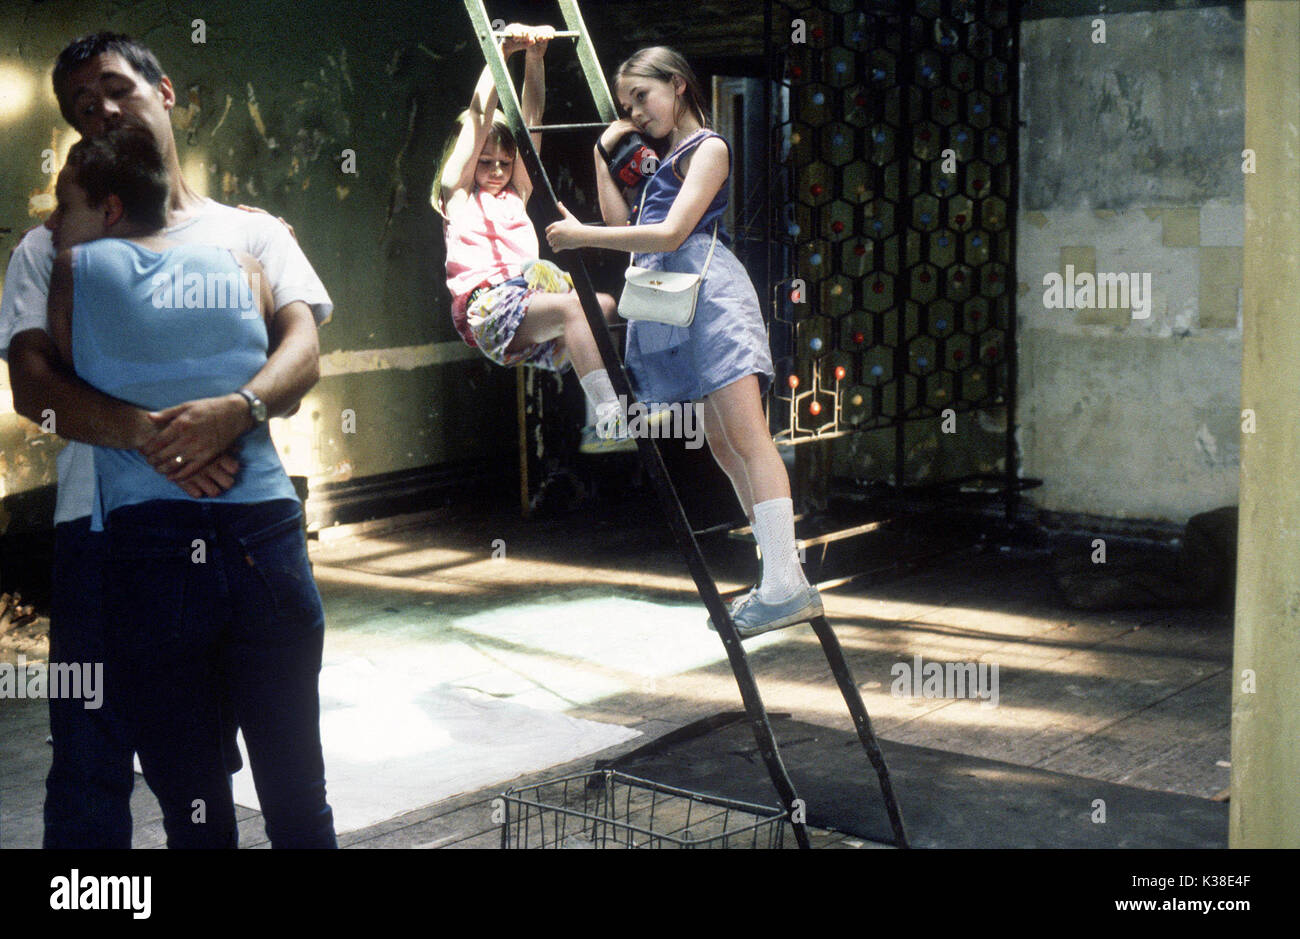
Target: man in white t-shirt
<point>101,81</point>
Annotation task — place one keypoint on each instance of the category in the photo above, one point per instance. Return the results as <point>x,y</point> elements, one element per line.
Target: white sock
<point>599,390</point>
<point>609,410</point>
<point>774,531</point>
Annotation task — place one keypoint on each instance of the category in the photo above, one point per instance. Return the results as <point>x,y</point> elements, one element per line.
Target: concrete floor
<point>1135,697</point>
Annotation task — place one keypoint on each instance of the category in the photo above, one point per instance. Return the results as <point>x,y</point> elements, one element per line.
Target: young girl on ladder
<point>722,358</point>
<point>516,309</point>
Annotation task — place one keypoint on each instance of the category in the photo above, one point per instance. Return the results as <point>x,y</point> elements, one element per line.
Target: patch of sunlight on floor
<point>551,654</point>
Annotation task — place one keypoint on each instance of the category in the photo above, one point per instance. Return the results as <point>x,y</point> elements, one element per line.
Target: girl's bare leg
<point>551,315</point>
<point>727,458</point>
<point>739,409</point>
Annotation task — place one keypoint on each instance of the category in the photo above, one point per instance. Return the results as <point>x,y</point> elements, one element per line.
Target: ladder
<point>649,453</point>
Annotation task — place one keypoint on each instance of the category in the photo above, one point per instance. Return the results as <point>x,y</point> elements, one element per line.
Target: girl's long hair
<point>499,134</point>
<point>663,63</point>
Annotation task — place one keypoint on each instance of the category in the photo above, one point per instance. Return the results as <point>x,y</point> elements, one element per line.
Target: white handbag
<point>662,296</point>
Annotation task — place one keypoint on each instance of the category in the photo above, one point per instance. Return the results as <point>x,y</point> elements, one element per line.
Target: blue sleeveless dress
<point>727,339</point>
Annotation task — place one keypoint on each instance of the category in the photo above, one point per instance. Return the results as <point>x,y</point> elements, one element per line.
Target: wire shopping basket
<point>609,809</point>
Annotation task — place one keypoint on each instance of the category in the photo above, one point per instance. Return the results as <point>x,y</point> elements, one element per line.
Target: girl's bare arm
<point>614,208</point>
<point>533,104</point>
<point>706,175</point>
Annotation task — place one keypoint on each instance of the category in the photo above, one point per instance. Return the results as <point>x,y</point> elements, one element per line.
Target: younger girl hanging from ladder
<point>722,358</point>
<point>516,309</point>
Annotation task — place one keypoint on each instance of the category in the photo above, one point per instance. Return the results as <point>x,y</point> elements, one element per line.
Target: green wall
<point>383,81</point>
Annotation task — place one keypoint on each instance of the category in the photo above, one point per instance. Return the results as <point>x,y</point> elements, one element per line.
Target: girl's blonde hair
<point>499,134</point>
<point>662,63</point>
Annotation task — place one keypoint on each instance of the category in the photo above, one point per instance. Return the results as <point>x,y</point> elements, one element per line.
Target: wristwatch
<point>256,406</point>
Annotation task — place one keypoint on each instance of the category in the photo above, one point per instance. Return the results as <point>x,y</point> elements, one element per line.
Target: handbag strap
<point>631,255</point>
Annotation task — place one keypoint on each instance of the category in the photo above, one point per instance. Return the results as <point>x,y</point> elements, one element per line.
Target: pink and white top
<point>489,238</point>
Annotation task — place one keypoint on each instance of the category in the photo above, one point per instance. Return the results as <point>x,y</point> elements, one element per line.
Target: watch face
<point>256,406</point>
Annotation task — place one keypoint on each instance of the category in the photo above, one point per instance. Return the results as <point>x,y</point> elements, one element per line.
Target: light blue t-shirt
<point>157,329</point>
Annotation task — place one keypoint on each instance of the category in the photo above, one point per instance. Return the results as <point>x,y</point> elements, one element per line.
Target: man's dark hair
<point>125,162</point>
<point>80,51</point>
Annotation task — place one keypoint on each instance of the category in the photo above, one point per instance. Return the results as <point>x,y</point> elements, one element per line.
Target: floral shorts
<point>494,315</point>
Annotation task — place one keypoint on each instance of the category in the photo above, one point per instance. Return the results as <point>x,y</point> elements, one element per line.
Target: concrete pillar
<point>1265,806</point>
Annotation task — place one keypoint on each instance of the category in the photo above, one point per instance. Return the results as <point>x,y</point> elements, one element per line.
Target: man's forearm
<point>42,389</point>
<point>294,366</point>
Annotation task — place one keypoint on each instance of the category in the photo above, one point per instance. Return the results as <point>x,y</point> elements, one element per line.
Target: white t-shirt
<point>27,287</point>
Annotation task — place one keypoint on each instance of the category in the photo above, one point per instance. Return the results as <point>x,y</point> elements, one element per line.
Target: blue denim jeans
<point>88,790</point>
<point>208,603</point>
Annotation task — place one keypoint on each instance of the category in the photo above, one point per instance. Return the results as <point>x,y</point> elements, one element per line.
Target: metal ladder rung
<point>559,34</point>
<point>840,535</point>
<point>747,532</point>
<point>591,125</point>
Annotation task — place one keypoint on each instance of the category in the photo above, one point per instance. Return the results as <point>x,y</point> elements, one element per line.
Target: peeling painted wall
<point>1131,161</point>
<point>266,106</point>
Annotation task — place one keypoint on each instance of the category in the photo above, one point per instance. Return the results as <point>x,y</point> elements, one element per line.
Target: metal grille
<point>893,201</point>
